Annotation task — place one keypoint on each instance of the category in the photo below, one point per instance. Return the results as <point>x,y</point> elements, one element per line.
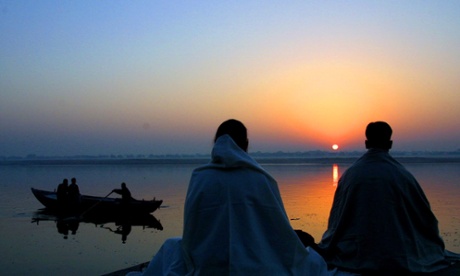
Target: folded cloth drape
<point>381,220</point>
<point>235,224</point>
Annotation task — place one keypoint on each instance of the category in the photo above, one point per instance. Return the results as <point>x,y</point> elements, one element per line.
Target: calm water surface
<point>29,247</point>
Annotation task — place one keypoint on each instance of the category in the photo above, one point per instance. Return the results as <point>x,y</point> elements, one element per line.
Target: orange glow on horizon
<point>326,104</point>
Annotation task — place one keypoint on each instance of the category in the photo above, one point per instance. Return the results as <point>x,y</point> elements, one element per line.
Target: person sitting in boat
<point>381,221</point>
<point>124,192</point>
<point>73,195</point>
<point>234,220</point>
<point>61,194</point>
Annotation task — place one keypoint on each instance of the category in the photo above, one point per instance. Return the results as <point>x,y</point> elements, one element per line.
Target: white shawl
<point>381,220</point>
<point>235,222</point>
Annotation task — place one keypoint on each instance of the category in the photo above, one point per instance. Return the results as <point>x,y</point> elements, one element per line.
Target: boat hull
<point>94,204</point>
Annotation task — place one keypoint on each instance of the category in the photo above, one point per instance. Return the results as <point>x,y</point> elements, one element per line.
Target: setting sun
<point>335,147</point>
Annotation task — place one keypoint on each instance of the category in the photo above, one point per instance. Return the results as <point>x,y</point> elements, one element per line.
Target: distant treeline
<point>316,156</point>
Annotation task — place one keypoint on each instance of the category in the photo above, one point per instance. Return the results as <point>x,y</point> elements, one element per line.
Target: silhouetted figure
<point>61,194</point>
<point>73,195</point>
<point>381,221</point>
<point>124,192</point>
<point>234,220</point>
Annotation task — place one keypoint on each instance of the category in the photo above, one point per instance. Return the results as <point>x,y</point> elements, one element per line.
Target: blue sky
<point>142,77</point>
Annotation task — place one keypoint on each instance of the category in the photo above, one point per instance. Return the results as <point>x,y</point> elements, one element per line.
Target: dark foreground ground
<point>451,271</point>
<point>123,272</point>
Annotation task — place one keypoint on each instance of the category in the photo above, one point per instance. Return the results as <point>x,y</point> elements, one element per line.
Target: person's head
<point>378,135</point>
<point>236,130</point>
<point>65,181</point>
<point>123,185</point>
<point>73,180</point>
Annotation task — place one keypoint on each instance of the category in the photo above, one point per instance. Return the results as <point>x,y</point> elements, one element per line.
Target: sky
<point>158,77</point>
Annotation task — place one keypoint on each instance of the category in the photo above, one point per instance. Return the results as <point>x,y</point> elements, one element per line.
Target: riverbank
<point>180,161</point>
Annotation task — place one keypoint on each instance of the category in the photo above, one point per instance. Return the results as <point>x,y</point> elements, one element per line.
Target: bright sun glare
<point>335,147</point>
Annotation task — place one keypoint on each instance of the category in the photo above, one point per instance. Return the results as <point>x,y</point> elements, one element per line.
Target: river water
<point>31,247</point>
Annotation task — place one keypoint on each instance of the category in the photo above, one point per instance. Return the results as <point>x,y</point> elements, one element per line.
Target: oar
<point>95,204</point>
<point>87,210</point>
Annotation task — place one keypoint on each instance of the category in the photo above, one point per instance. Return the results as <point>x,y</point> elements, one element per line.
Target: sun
<point>335,147</point>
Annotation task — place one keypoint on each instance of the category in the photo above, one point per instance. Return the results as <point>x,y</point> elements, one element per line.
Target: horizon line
<point>311,153</point>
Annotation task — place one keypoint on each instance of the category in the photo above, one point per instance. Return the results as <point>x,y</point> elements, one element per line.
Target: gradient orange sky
<point>114,77</point>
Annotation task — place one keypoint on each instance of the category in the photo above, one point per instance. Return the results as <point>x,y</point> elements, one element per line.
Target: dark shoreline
<point>180,161</point>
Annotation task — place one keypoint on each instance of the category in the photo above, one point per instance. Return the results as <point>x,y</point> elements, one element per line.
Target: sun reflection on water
<point>335,175</point>
<point>307,195</point>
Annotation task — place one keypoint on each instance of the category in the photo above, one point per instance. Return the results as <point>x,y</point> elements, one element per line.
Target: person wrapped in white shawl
<point>234,220</point>
<point>381,220</point>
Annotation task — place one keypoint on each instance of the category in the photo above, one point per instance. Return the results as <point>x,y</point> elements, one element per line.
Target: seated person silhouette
<point>73,195</point>
<point>124,192</point>
<point>234,220</point>
<point>381,221</point>
<point>61,194</point>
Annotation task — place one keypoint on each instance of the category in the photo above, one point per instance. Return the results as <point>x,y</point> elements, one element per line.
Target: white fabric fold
<point>235,224</point>
<point>382,220</point>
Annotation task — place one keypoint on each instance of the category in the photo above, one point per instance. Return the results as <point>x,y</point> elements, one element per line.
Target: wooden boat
<point>94,204</point>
